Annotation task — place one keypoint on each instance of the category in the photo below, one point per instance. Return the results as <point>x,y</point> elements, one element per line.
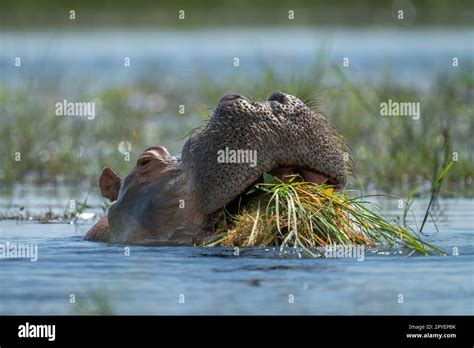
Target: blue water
<point>94,59</point>
<point>258,281</point>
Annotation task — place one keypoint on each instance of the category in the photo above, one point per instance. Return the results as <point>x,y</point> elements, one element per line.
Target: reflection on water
<point>155,280</point>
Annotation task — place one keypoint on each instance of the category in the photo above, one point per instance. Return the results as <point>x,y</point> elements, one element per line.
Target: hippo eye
<point>144,162</point>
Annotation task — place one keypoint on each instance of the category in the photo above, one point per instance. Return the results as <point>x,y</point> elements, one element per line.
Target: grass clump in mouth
<point>308,215</point>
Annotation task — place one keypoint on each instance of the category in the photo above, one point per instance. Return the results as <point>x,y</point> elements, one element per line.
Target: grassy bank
<point>148,13</point>
<point>392,154</point>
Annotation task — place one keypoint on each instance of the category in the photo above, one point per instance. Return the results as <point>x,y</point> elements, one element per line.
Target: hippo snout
<point>284,134</point>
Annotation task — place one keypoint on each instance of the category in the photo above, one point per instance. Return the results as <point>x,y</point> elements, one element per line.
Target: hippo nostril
<point>279,97</point>
<point>230,97</point>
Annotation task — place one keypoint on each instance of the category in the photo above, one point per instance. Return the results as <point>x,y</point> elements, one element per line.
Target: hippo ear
<point>109,183</point>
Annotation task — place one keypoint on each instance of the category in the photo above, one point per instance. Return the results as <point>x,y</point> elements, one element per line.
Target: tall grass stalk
<point>435,190</point>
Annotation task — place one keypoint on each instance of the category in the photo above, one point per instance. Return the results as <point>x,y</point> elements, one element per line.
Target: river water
<point>194,280</point>
<point>94,59</point>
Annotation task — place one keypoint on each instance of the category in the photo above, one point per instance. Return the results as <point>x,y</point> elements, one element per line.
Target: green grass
<point>149,13</point>
<point>392,155</point>
<point>307,215</point>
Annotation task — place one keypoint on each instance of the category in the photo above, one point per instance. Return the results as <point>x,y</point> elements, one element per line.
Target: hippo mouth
<point>248,196</point>
<point>285,173</point>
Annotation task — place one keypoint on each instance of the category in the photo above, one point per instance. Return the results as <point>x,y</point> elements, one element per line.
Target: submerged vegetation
<point>94,302</point>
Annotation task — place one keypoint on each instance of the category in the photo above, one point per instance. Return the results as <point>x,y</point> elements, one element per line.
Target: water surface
<point>96,58</point>
<point>153,280</point>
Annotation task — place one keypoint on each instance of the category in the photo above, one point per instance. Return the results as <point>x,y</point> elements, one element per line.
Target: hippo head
<point>150,205</point>
<point>168,201</point>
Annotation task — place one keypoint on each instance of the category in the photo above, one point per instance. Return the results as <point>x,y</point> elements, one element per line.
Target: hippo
<point>169,201</point>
